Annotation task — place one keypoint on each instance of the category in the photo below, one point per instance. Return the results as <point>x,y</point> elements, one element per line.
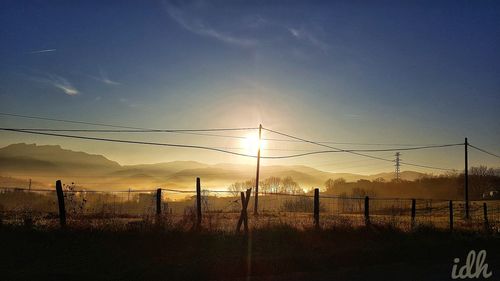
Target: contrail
<point>43,51</point>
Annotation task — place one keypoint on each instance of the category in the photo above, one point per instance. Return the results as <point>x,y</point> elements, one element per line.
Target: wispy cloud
<point>104,78</point>
<point>254,30</point>
<point>198,27</point>
<point>63,84</point>
<point>59,83</point>
<point>42,51</point>
<point>307,36</point>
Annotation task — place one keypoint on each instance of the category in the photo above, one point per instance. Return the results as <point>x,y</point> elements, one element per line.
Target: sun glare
<point>251,144</point>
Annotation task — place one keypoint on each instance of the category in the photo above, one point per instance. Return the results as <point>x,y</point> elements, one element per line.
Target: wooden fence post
<point>244,214</point>
<point>485,214</point>
<point>198,203</point>
<point>367,210</point>
<point>158,202</point>
<point>316,208</point>
<point>413,212</point>
<point>451,215</point>
<point>60,201</point>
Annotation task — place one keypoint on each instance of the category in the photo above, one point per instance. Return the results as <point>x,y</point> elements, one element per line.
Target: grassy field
<point>220,213</point>
<point>278,252</point>
<point>120,238</point>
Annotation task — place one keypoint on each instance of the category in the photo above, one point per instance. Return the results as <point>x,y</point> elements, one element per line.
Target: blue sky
<point>419,72</point>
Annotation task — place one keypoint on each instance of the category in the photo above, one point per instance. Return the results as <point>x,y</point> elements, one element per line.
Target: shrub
<point>300,204</point>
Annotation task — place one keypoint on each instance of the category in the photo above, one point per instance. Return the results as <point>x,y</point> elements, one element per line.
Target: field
<point>152,235</point>
<point>220,211</point>
<point>279,252</point>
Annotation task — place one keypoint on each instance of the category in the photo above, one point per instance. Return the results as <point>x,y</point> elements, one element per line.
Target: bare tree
<point>333,185</point>
<point>237,187</point>
<point>288,185</point>
<point>271,184</point>
<point>329,185</point>
<point>481,180</point>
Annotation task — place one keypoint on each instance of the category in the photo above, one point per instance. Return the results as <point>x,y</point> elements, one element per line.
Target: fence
<point>224,211</point>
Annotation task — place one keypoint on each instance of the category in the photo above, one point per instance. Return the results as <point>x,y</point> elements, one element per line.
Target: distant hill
<point>405,175</point>
<point>46,163</point>
<point>34,158</point>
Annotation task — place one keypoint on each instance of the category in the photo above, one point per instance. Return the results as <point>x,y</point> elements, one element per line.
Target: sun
<point>251,144</point>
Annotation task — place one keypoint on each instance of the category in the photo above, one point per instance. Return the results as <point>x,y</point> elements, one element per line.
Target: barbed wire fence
<point>221,209</point>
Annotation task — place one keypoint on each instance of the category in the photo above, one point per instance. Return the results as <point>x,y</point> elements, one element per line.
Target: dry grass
<point>149,250</point>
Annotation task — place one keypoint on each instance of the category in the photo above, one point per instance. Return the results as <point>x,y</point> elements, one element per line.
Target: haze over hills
<point>46,163</point>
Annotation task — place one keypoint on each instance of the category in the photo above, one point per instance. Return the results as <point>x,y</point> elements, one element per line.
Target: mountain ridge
<point>52,161</point>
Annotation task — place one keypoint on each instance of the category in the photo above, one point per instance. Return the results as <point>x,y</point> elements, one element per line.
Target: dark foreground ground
<point>276,253</point>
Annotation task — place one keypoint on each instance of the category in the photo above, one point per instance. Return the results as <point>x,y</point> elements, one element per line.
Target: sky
<point>384,72</point>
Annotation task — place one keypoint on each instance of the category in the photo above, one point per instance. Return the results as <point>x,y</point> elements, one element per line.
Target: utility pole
<point>466,180</point>
<point>398,165</point>
<point>29,187</point>
<point>256,206</point>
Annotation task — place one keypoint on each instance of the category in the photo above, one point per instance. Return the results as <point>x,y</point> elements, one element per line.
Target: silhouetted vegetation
<point>447,186</point>
<point>300,204</point>
<point>279,250</point>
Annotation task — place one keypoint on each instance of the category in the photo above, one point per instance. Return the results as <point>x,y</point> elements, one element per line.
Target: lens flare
<point>251,144</point>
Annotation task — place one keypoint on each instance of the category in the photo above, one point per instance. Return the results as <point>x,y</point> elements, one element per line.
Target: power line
<point>320,144</point>
<point>163,144</point>
<point>222,150</point>
<point>484,151</point>
<point>354,152</point>
<point>67,121</point>
<point>407,148</point>
<point>185,131</point>
<point>207,134</point>
<point>197,132</point>
<point>168,131</point>
<point>347,143</point>
<point>223,136</point>
<point>130,141</point>
<point>205,147</point>
<point>138,129</point>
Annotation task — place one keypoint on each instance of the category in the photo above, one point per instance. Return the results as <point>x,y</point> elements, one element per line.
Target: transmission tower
<point>398,165</point>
